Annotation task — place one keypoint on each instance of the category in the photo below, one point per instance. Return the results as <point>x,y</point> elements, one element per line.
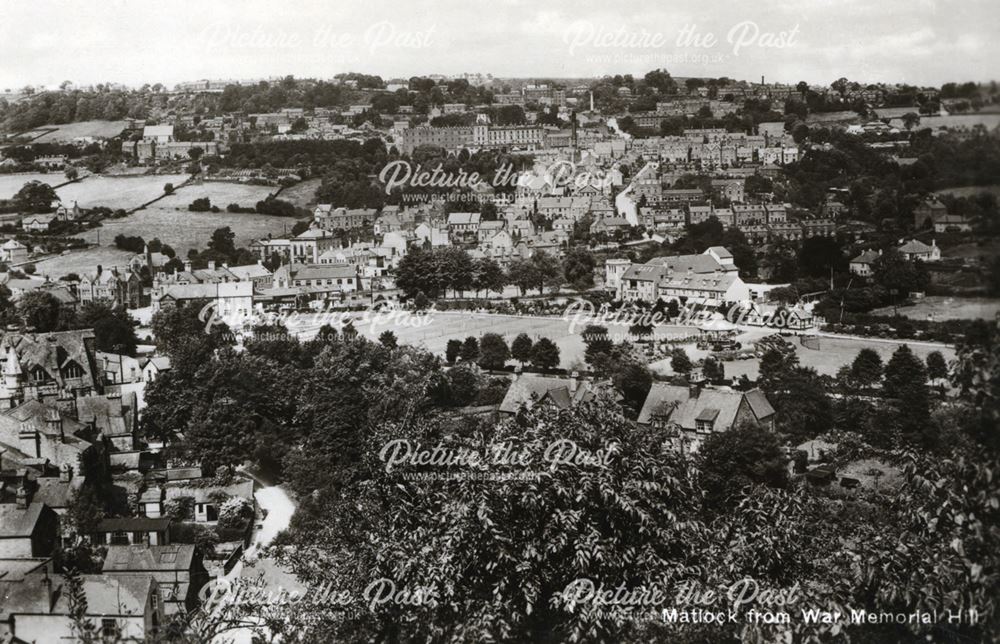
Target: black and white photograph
<point>499,321</point>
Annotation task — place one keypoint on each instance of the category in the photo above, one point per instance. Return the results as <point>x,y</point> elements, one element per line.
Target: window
<point>109,629</point>
<point>72,370</point>
<point>119,538</point>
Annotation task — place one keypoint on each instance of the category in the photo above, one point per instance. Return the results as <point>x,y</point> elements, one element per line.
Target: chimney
<point>574,382</point>
<point>21,500</point>
<point>29,441</point>
<point>65,472</point>
<point>100,269</point>
<point>54,422</point>
<point>211,264</point>
<point>933,242</point>
<point>47,585</point>
<point>694,390</point>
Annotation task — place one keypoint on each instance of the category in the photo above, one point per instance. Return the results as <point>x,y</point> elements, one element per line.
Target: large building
<point>710,278</point>
<point>689,414</point>
<point>527,137</point>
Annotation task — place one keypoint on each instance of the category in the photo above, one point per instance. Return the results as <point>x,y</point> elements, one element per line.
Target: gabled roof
<point>18,522</point>
<point>557,391</point>
<point>866,257</point>
<point>915,246</point>
<point>677,405</point>
<point>148,558</point>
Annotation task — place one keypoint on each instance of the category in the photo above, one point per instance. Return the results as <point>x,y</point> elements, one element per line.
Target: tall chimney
<point>21,500</point>
<point>694,390</point>
<point>54,422</point>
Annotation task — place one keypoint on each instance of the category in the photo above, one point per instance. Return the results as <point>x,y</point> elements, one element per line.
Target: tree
<point>523,273</point>
<point>463,384</point>
<point>613,533</point>
<point>597,342</point>
<point>470,349</point>
<point>545,354</point>
<point>493,351</point>
<point>896,273</point>
<point>680,362</point>
<point>520,349</point>
<point>634,381</point>
<point>578,268</point>
<point>906,382</point>
<point>71,174</point>
<point>488,276</point>
<point>739,457</point>
<point>453,350</point>
<point>388,340</point>
<point>866,370</point>
<point>168,188</point>
<point>911,120</point>
<point>804,408</point>
<point>35,197</point>
<point>937,368</point>
<point>223,242</point>
<point>40,310</point>
<point>713,370</point>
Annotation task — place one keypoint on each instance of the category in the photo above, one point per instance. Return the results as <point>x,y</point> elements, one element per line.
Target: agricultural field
<point>95,190</point>
<point>183,229</point>
<point>82,262</point>
<point>940,308</point>
<point>968,191</point>
<point>69,131</point>
<point>302,194</point>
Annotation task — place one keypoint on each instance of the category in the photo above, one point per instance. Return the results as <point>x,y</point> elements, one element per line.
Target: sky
<point>921,42</point>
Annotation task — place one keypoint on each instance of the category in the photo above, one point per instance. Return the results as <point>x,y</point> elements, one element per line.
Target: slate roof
<point>148,558</point>
<point>720,405</point>
<point>18,522</point>
<point>549,388</point>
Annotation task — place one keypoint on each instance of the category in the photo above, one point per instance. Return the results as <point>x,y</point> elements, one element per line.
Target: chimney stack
<point>47,584</point>
<point>574,382</point>
<point>54,422</point>
<point>694,390</point>
<point>65,472</point>
<point>21,500</point>
<point>211,264</point>
<point>187,266</point>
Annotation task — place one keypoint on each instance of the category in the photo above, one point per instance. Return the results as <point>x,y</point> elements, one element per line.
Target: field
<point>70,131</point>
<point>168,219</point>
<point>83,262</point>
<point>113,192</point>
<point>948,308</point>
<point>443,326</point>
<point>302,194</point>
<point>183,230</point>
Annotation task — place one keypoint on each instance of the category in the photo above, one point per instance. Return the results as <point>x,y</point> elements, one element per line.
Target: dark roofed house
<point>528,390</point>
<point>690,414</point>
<point>123,608</point>
<point>123,531</point>
<point>176,569</point>
<point>27,530</point>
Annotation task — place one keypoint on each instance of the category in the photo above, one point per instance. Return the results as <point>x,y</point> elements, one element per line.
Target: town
<point>677,329</point>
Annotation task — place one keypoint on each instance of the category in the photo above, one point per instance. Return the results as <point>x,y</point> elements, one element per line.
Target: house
<point>112,288</point>
<point>207,499</point>
<point>122,607</point>
<point>116,368</point>
<point>48,366</point>
<point>154,367</point>
<point>27,530</point>
<point>614,269</point>
<point>37,223</point>
<point>258,274</point>
<point>916,249</point>
<point>309,245</point>
<point>864,264</point>
<point>177,571</point>
<point>115,415</point>
<point>527,390</point>
<point>13,252</point>
<point>231,299</point>
<point>462,225</point>
<point>132,530</point>
<point>689,414</point>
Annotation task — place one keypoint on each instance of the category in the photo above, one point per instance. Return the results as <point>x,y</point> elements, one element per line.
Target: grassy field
<point>302,194</point>
<point>83,262</point>
<point>70,131</point>
<point>112,192</point>
<point>948,308</point>
<point>183,230</point>
<point>444,326</point>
